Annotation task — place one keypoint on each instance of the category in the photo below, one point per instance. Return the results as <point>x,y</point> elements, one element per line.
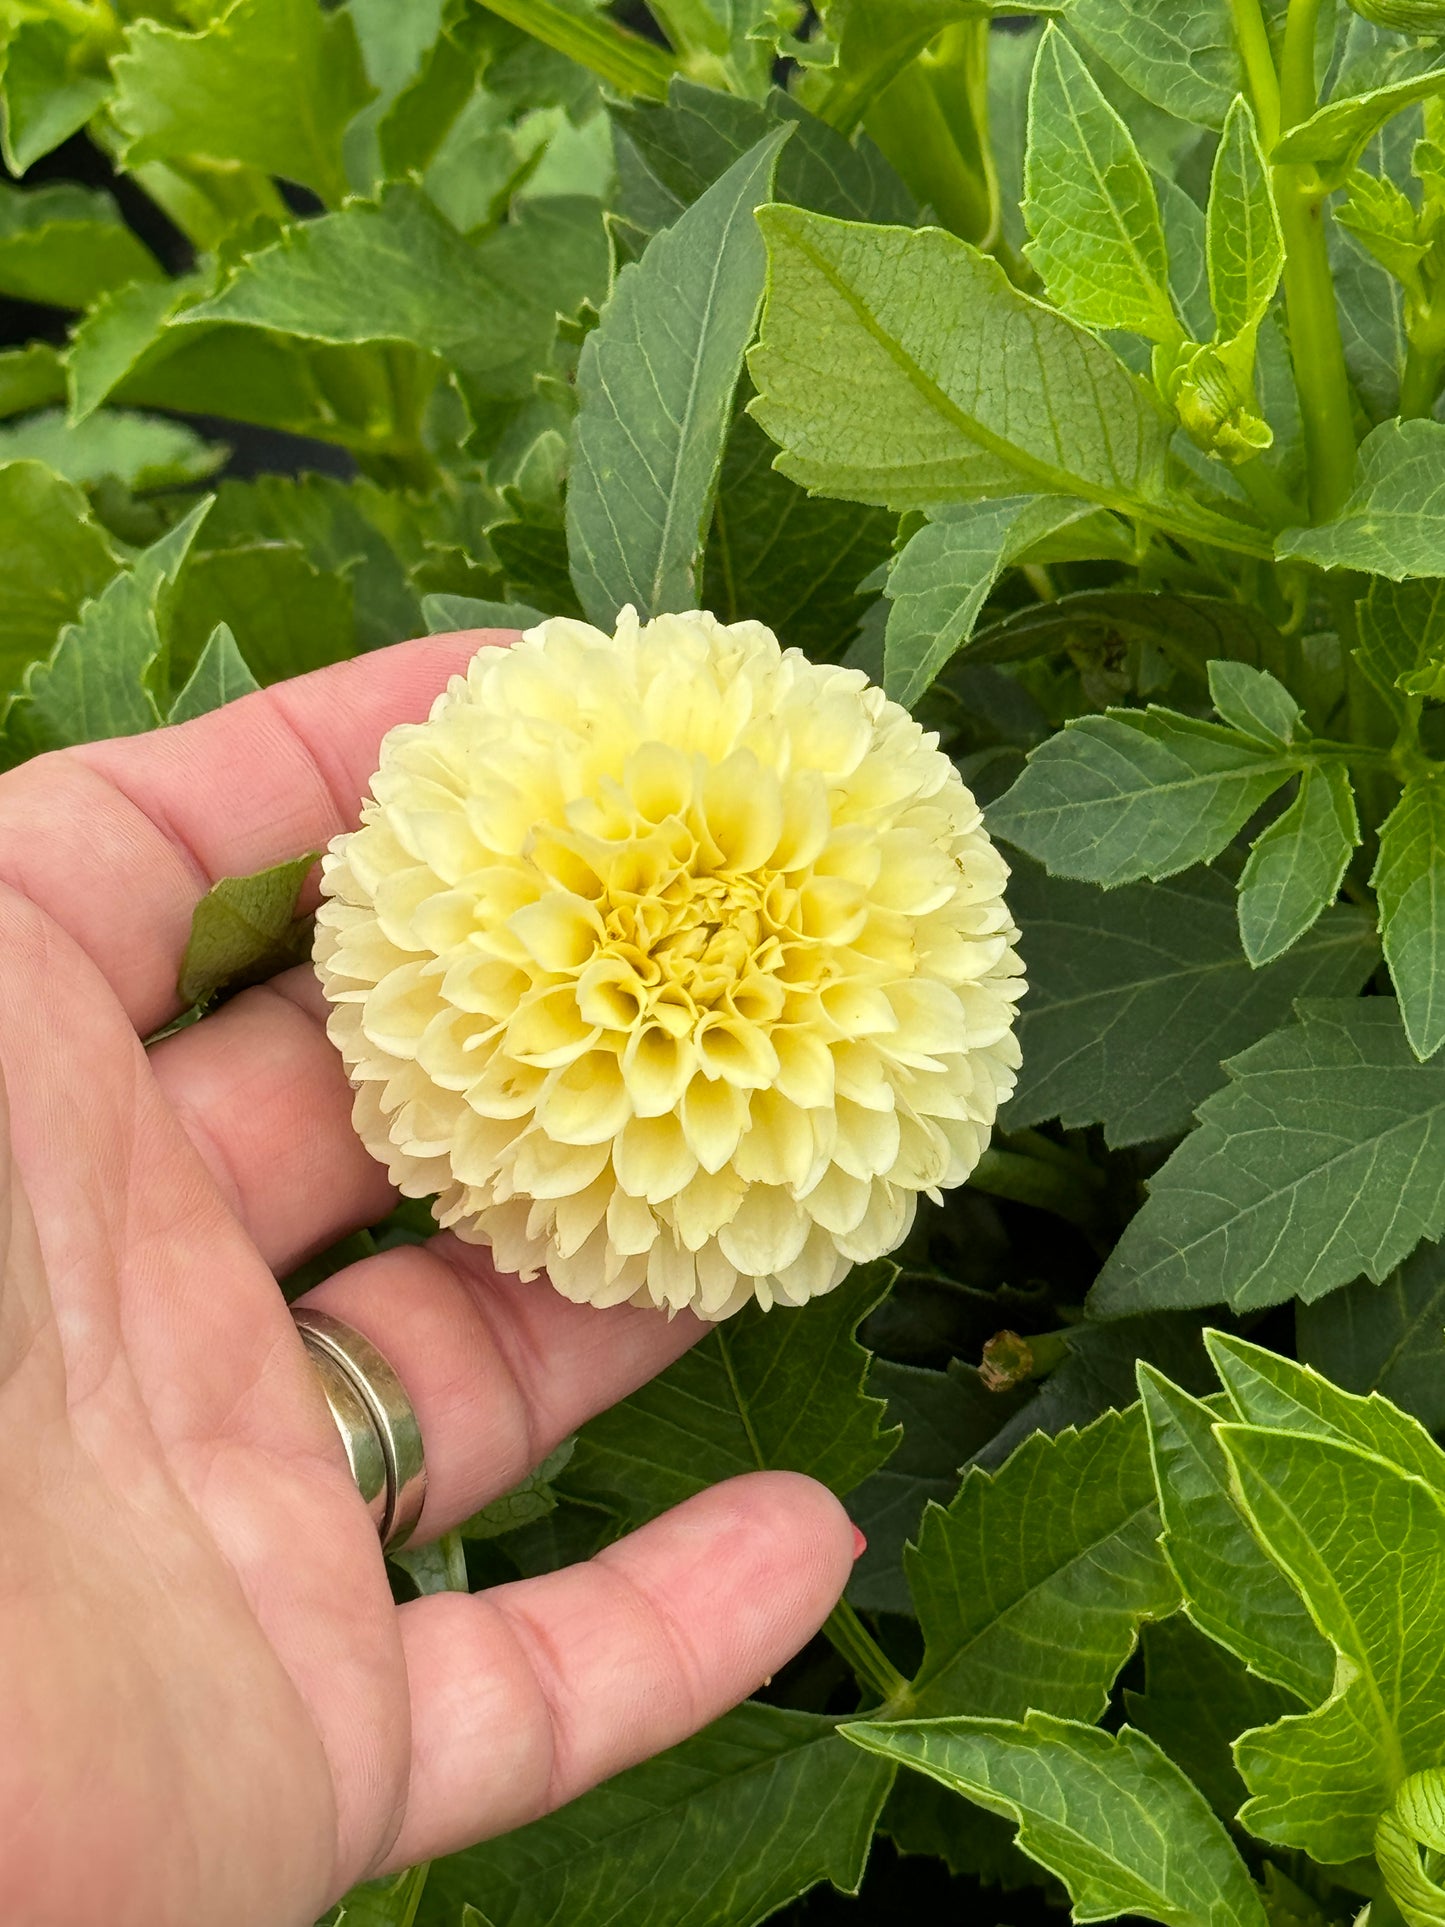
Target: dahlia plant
<point>946,496</point>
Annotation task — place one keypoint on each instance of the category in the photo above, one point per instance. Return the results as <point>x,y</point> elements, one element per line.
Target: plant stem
<point>1316,345</point>
<point>1028,1180</point>
<point>1421,382</point>
<point>932,123</point>
<point>851,1639</point>
<point>1258,57</point>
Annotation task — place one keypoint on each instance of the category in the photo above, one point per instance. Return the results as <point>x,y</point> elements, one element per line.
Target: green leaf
<point>1188,629</point>
<point>1322,1158</point>
<point>30,377</point>
<point>624,60</point>
<point>759,1393</point>
<point>50,85</point>
<point>656,382</point>
<point>443,613</point>
<point>781,556</point>
<point>95,683</point>
<point>219,677</point>
<point>533,1499</point>
<point>946,1417</point>
<point>1233,1591</point>
<point>1335,136</point>
<point>1136,996</point>
<point>1394,522</point>
<point>1196,1701</point>
<point>142,451</point>
<point>1245,245</point>
<point>52,558</point>
<point>942,579</point>
<point>1098,241</point>
<point>489,307</point>
<point>875,394</point>
<point>1364,1544</point>
<point>1297,864</point>
<point>383,1903</point>
<point>1109,1813</point>
<point>1409,881</point>
<point>1137,793</point>
<point>1183,58</point>
<point>693,140</point>
<point>1031,1587</point>
<point>288,615</point>
<point>270,84</point>
<point>65,245</point>
<point>663,1840</point>
<point>1268,1389</point>
<point>244,930</point>
<point>1402,639</point>
<point>1387,1338</point>
<point>1254,702</point>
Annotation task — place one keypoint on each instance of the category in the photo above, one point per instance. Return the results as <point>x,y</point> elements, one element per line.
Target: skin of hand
<point>211,1709</point>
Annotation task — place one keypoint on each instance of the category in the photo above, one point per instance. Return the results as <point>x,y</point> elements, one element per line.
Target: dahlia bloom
<point>674,964</point>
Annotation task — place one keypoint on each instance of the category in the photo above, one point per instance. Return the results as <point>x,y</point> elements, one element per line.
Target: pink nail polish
<point>860,1544</point>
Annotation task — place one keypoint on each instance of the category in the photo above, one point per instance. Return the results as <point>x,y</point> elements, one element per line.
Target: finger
<point>116,841</point>
<point>525,1696</point>
<point>499,1371</point>
<point>262,1094</point>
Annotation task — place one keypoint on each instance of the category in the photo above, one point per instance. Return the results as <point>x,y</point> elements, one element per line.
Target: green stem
<point>1317,347</point>
<point>851,1640</point>
<point>1259,72</point>
<point>1424,373</point>
<point>932,123</point>
<point>1028,1180</point>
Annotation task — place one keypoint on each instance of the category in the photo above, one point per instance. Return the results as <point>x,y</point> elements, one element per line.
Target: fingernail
<point>860,1544</point>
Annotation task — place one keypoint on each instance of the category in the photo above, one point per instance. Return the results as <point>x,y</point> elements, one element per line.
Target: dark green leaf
<point>666,1839</point>
<point>1394,522</point>
<point>1137,995</point>
<point>286,614</point>
<point>1402,638</point>
<point>1409,881</point>
<point>1109,1813</point>
<point>1189,629</point>
<point>1323,1157</point>
<point>942,579</point>
<point>700,133</point>
<point>244,930</point>
<point>781,556</point>
<point>946,1417</point>
<point>52,557</point>
<point>533,1499</point>
<point>1196,1702</point>
<point>1387,1338</point>
<point>1254,702</point>
<point>1031,1587</point>
<point>657,381</point>
<point>66,245</point>
<point>1232,1590</point>
<point>95,683</point>
<point>1296,865</point>
<point>1098,241</point>
<point>763,1391</point>
<point>219,677</point>
<point>267,83</point>
<point>1137,793</point>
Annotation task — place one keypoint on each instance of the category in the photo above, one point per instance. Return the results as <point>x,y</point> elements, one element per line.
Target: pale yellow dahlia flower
<point>675,964</point>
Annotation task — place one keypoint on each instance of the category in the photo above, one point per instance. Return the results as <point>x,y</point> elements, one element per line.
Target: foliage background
<point>328,326</point>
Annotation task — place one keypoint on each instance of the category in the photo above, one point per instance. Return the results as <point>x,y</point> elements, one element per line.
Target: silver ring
<point>376,1420</point>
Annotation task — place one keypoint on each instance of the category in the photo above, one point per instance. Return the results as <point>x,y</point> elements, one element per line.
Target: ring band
<point>376,1420</point>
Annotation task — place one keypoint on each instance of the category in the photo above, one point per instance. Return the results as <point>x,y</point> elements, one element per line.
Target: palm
<point>211,1704</point>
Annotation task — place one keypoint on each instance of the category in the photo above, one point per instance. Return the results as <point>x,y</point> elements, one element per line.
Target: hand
<point>209,1706</point>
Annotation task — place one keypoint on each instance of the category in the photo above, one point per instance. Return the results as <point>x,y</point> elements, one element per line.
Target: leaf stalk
<point>871,1666</point>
